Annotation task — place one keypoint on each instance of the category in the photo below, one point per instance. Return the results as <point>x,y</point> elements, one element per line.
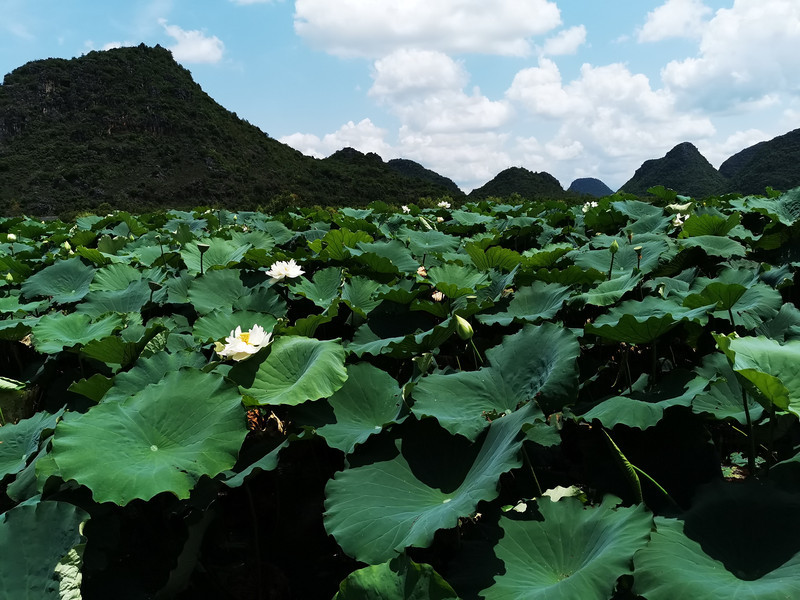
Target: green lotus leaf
<point>377,510</point>
<point>55,331</point>
<point>296,370</point>
<point>399,579</point>
<point>16,329</point>
<point>750,306</point>
<point>456,280</point>
<point>463,217</point>
<point>546,257</point>
<point>268,462</point>
<point>218,324</point>
<point>537,362</point>
<point>114,277</point>
<point>572,275</point>
<point>216,290</point>
<point>625,260</point>
<point>769,366</point>
<point>429,242</point>
<point>539,301</point>
<point>368,400</point>
<point>161,439</point>
<point>495,257</point>
<point>151,370</point>
<point>785,209</point>
<point>784,326</point>
<point>65,281</point>
<point>323,289</point>
<point>20,441</point>
<point>33,539</point>
<point>387,257</point>
<point>361,294</point>
<point>576,552</point>
<point>709,224</point>
<point>128,300</point>
<point>220,253</point>
<point>94,387</point>
<point>338,243</point>
<point>742,546</point>
<point>642,322</point>
<point>611,291</point>
<point>636,209</point>
<point>366,341</point>
<point>714,245</point>
<point>723,399</point>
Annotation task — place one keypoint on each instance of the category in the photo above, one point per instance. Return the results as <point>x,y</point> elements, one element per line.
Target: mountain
<point>409,168</point>
<point>682,169</point>
<point>590,186</point>
<point>774,163</point>
<point>517,180</point>
<point>130,129</point>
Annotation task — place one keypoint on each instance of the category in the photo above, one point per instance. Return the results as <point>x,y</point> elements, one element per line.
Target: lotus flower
<point>443,204</point>
<point>283,268</point>
<point>240,345</point>
<point>405,208</point>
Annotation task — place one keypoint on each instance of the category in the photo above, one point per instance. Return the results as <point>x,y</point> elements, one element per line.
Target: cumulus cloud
<point>193,46</point>
<point>747,52</point>
<point>717,151</point>
<point>565,42</point>
<point>363,136</point>
<point>675,18</point>
<point>374,28</point>
<point>607,114</point>
<point>425,89</point>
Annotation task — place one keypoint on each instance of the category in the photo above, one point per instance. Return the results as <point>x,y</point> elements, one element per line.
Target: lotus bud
<point>9,277</point>
<point>613,247</point>
<point>11,237</point>
<point>463,328</point>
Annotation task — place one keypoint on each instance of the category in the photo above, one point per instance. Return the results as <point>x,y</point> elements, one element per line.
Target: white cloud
<point>747,52</point>
<point>565,42</point>
<point>675,18</point>
<point>374,28</point>
<point>425,89</point>
<point>193,46</point>
<point>717,151</point>
<point>363,136</point>
<point>606,116</point>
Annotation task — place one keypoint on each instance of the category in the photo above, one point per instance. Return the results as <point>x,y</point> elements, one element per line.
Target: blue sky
<point>467,88</point>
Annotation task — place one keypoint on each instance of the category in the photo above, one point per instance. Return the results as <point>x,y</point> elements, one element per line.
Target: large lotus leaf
<point>377,510</point>
<point>387,257</point>
<point>609,292</point>
<point>323,289</point>
<point>151,370</point>
<point>714,245</point>
<point>20,441</point>
<point>539,301</point>
<point>785,209</point>
<point>65,281</point>
<point>220,323</point>
<point>723,399</point>
<point>128,300</point>
<point>769,365</point>
<point>220,253</point>
<point>16,329</point>
<point>161,439</point>
<point>547,256</point>
<point>399,579</point>
<point>361,294</point>
<point>366,341</point>
<point>495,257</point>
<point>538,362</point>
<point>674,566</point>
<point>33,539</point>
<point>267,462</point>
<point>338,243</point>
<point>297,369</point>
<point>429,242</point>
<point>114,277</point>
<point>642,322</point>
<point>644,408</point>
<point>784,326</point>
<point>750,306</point>
<point>215,290</point>
<point>368,400</point>
<point>456,280</point>
<point>55,331</point>
<point>636,209</point>
<point>625,260</point>
<point>709,224</point>
<point>574,553</point>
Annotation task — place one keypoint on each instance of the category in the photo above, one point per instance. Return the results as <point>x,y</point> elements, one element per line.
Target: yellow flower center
<point>245,337</point>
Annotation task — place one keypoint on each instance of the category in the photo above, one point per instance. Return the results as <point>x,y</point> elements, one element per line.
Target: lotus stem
<point>528,460</point>
<point>751,451</point>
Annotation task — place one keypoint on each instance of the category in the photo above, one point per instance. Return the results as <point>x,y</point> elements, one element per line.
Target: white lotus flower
<point>11,237</point>
<point>588,206</point>
<point>240,345</point>
<point>405,208</point>
<point>679,220</point>
<point>282,269</point>
<point>443,204</point>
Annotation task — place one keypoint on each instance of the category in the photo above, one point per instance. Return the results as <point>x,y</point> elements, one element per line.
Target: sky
<point>467,88</point>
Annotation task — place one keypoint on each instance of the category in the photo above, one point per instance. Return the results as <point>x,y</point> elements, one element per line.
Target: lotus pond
<point>503,400</point>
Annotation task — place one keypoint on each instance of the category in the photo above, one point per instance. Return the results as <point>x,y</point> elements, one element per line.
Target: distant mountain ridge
<point>590,186</point>
<point>518,180</point>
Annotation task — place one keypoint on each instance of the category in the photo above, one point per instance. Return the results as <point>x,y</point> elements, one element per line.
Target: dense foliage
<point>498,400</point>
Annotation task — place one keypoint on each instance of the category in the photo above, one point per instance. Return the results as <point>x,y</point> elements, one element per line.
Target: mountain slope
<point>517,180</point>
<point>129,128</point>
<point>590,186</point>
<point>774,163</point>
<point>682,169</point>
